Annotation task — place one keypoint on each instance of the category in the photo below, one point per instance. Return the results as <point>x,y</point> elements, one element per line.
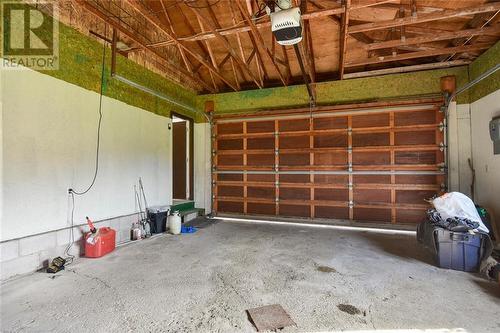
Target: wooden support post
<point>349,161</point>
<point>393,162</point>
<point>276,165</point>
<point>245,176</point>
<point>113,51</point>
<point>343,38</point>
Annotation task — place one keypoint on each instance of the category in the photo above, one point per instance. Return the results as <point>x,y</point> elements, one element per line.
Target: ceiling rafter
<point>131,35</point>
<point>211,55</point>
<point>439,15</point>
<point>260,42</point>
<point>172,29</point>
<point>245,28</point>
<point>308,45</point>
<point>422,54</point>
<point>136,5</point>
<point>343,38</point>
<point>226,44</point>
<point>434,38</point>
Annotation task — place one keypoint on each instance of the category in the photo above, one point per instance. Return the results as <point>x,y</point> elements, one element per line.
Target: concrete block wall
<point>31,253</point>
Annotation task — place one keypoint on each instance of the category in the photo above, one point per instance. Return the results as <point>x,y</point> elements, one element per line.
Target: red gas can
<point>100,242</point>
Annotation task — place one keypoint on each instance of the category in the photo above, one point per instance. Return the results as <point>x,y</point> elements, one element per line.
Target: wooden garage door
<point>369,164</point>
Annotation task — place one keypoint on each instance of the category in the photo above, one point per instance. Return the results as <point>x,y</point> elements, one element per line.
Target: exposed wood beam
<point>192,31</point>
<point>343,38</point>
<point>260,42</point>
<point>211,55</point>
<point>181,50</point>
<point>434,38</point>
<point>250,57</point>
<point>174,68</point>
<point>238,40</point>
<point>407,69</point>
<point>266,24</point>
<point>113,51</point>
<point>415,55</point>
<point>440,15</point>
<point>226,58</point>
<point>236,79</point>
<point>137,6</point>
<point>308,45</point>
<point>227,45</point>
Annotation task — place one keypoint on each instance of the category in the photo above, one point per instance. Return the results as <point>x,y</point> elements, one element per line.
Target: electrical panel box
<point>495,134</point>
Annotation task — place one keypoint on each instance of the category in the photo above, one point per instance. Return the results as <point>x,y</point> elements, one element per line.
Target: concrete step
<point>182,205</point>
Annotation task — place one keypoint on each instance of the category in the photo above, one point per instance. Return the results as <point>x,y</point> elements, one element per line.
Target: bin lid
<point>159,208</point>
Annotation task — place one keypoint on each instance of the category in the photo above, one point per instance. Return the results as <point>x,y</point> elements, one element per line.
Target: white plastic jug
<point>174,223</point>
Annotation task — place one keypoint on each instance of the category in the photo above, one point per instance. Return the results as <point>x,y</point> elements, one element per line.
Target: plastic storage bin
<point>458,250</point>
<point>158,218</point>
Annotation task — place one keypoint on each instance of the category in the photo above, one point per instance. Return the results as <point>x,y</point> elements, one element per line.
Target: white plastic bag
<point>456,204</point>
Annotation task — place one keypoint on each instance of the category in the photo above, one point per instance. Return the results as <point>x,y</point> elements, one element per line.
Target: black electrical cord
<point>69,257</point>
<point>98,145</point>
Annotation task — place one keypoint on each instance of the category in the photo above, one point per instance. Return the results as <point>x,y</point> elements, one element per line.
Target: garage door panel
<point>372,214</point>
<point>371,179</point>
<point>261,143</point>
<point>371,196</point>
<point>427,117</point>
<point>230,160</point>
<point>416,179</point>
<point>261,160</point>
<point>230,128</point>
<point>331,179</point>
<point>289,159</point>
<point>294,178</point>
<point>293,125</point>
<point>415,138</point>
<point>328,194</point>
<point>370,139</point>
<point>336,158</point>
<point>329,123</point>
<point>331,141</point>
<point>370,120</point>
<point>294,193</point>
<point>294,210</point>
<point>260,126</point>
<point>416,157</point>
<point>261,192</point>
<point>227,177</point>
<point>414,196</point>
<point>367,167</point>
<point>328,212</point>
<point>294,142</point>
<point>230,191</point>
<point>410,216</point>
<point>230,144</point>
<point>230,206</point>
<point>371,158</point>
<point>261,208</point>
<point>261,178</point>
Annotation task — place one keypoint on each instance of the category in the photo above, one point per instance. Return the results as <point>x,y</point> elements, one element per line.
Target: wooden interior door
<point>376,164</point>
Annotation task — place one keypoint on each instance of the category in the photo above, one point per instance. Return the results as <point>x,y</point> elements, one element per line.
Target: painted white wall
<point>459,148</point>
<point>202,174</point>
<point>48,142</point>
<point>486,164</point>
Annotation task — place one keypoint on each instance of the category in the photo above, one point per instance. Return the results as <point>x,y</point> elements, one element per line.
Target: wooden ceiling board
<point>324,30</point>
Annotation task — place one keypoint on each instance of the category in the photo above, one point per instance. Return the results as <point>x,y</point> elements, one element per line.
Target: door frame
<point>191,152</point>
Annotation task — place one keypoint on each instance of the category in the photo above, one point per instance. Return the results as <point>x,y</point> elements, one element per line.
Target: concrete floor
<point>205,281</point>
